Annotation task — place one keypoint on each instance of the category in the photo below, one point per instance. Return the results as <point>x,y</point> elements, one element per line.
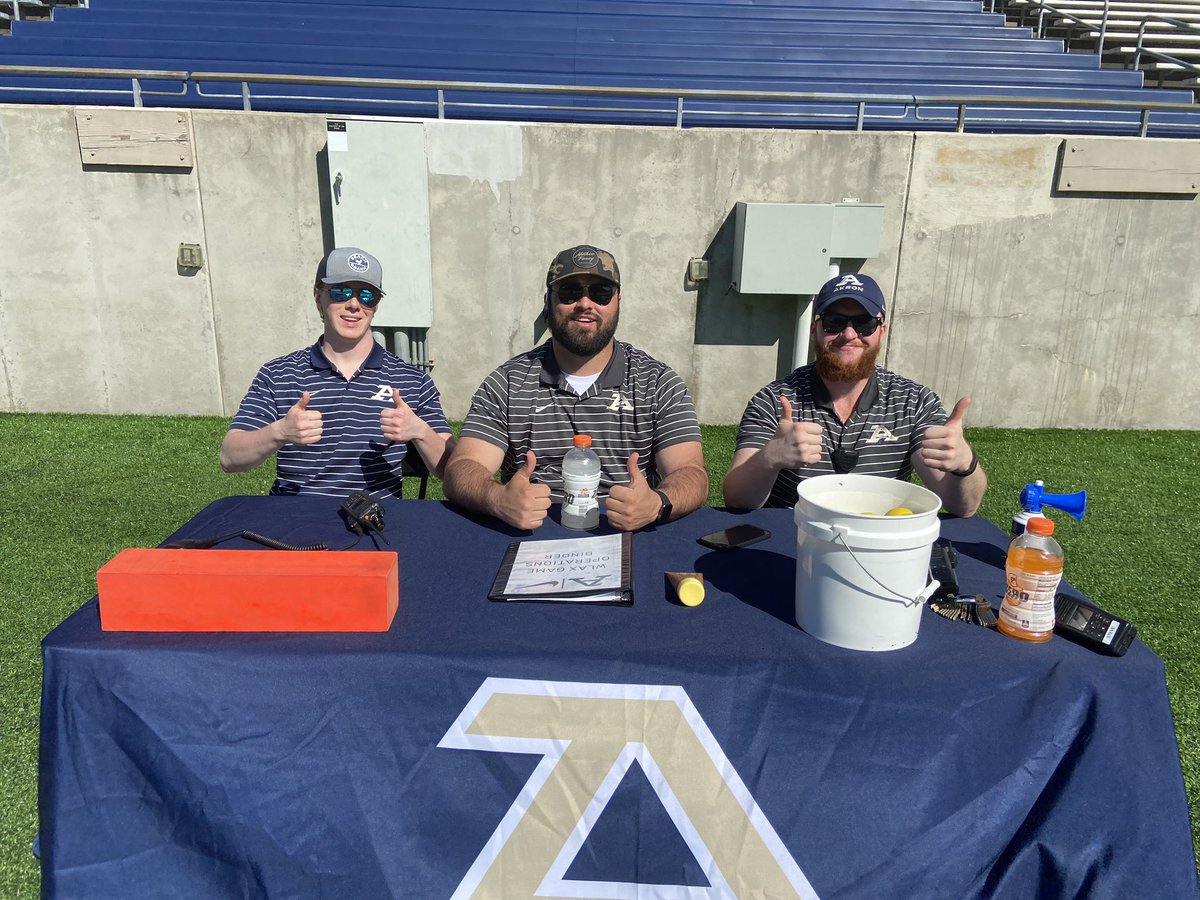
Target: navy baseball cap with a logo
<point>345,264</point>
<point>862,288</point>
<point>583,260</point>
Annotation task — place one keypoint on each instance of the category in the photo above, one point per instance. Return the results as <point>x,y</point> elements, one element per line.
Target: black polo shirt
<point>636,404</point>
<point>885,429</point>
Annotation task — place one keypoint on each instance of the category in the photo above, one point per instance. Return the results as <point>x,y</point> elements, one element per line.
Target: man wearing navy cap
<point>339,415</point>
<point>526,413</point>
<point>845,414</point>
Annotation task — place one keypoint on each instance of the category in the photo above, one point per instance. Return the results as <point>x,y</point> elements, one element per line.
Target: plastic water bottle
<point>1033,570</point>
<point>581,481</point>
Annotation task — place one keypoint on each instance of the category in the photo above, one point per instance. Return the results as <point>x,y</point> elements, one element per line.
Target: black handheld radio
<point>1091,626</point>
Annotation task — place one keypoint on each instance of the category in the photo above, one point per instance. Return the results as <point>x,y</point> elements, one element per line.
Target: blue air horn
<point>1034,497</point>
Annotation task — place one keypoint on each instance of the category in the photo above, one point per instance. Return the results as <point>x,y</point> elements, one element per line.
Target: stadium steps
<point>1171,29</point>
<point>30,11</point>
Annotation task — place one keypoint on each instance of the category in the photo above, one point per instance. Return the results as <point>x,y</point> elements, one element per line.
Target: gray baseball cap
<point>345,264</point>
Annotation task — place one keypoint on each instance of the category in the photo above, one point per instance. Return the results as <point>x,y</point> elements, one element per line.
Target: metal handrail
<point>135,76</point>
<point>1176,24</point>
<point>677,97</point>
<point>80,72</point>
<point>1042,7</point>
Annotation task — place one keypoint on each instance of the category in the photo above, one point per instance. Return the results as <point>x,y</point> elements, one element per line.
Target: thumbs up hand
<point>944,447</point>
<point>634,505</point>
<point>302,425</point>
<point>399,423</point>
<point>795,444</point>
<point>522,503</point>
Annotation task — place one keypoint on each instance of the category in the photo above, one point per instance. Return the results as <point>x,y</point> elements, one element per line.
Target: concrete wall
<point>1055,311</point>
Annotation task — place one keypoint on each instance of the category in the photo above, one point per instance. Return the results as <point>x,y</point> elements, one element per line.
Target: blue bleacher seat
<point>884,47</point>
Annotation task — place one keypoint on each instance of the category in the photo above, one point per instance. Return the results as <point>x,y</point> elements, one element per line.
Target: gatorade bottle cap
<point>1040,525</point>
<point>583,440</point>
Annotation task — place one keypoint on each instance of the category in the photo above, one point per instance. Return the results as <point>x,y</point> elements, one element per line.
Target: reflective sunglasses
<point>601,294</point>
<point>368,297</point>
<point>864,325</point>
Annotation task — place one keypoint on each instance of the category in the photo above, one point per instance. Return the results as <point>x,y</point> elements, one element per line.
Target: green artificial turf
<point>77,489</point>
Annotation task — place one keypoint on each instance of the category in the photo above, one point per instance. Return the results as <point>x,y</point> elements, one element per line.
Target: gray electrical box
<point>786,248</point>
<point>379,184</point>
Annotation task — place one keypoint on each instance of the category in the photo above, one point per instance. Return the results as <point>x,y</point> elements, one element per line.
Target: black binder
<point>571,570</point>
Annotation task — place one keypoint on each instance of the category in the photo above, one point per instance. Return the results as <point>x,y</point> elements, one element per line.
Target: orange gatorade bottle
<point>1033,571</point>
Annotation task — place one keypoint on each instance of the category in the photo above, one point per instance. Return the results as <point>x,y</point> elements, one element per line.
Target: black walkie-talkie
<point>1091,626</point>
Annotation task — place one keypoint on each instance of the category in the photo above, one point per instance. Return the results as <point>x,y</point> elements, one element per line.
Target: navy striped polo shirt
<point>352,454</point>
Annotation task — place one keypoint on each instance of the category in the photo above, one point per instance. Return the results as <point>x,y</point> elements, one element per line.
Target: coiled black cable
<point>278,545</point>
<point>204,543</point>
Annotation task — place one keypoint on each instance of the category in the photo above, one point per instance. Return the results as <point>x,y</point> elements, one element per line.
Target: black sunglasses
<point>864,325</point>
<point>368,297</point>
<point>601,294</point>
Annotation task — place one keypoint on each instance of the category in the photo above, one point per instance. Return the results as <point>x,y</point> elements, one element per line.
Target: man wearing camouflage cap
<point>526,414</point>
<point>340,415</point>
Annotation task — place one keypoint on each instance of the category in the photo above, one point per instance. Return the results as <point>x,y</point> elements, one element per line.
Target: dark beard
<point>578,344</point>
<point>830,368</point>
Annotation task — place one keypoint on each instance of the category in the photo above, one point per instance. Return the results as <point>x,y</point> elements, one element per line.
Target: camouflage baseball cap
<point>583,260</point>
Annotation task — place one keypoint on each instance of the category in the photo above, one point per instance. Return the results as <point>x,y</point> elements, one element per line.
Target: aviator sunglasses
<point>864,325</point>
<point>600,294</point>
<point>368,297</point>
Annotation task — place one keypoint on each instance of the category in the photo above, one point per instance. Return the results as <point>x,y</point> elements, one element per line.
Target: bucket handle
<point>865,540</point>
<point>837,534</point>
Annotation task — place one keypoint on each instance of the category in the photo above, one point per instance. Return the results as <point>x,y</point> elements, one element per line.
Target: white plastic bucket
<point>862,576</point>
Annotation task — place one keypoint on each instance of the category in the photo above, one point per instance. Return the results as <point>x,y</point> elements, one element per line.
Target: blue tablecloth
<point>462,750</point>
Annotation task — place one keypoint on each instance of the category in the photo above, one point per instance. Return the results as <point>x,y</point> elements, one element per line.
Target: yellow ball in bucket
<point>899,511</point>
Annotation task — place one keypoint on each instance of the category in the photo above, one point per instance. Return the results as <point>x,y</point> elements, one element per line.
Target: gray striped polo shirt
<point>637,404</point>
<point>353,454</point>
<point>885,428</point>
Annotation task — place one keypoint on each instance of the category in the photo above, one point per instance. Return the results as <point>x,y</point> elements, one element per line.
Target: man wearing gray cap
<point>845,414</point>
<point>583,381</point>
<point>339,415</point>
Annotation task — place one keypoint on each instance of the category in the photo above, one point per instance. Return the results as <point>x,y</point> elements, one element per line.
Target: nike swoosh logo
<point>538,409</point>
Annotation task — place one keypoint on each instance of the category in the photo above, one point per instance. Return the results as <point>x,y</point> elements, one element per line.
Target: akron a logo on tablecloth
<point>589,735</point>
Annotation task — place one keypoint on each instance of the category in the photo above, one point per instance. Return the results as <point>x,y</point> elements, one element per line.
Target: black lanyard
<point>843,460</point>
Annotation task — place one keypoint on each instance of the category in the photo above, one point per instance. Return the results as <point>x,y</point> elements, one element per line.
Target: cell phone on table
<point>1091,626</point>
<point>738,536</point>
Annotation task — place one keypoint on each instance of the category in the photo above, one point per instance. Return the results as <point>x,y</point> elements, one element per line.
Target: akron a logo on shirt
<point>588,737</point>
<point>879,434</point>
<point>620,401</point>
<point>384,393</point>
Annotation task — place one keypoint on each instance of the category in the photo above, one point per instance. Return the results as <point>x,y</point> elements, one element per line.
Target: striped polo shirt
<point>353,454</point>
<point>886,427</point>
<point>637,404</point>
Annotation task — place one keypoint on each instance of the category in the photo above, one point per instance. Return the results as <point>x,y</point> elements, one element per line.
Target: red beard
<point>831,368</point>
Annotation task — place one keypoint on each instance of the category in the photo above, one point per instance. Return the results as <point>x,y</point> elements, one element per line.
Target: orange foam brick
<point>248,590</point>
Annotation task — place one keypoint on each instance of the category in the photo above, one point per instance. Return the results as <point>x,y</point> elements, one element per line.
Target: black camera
<point>362,513</point>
